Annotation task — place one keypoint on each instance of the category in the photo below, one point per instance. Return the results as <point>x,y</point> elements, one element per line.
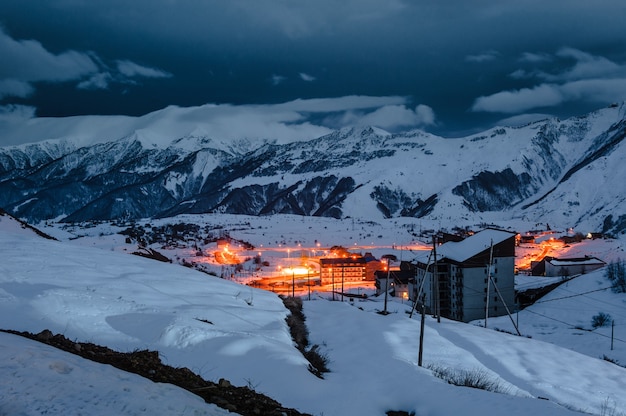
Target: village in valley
<point>485,273</point>
<point>474,273</point>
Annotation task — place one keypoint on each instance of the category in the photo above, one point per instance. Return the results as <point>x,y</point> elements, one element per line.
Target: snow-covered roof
<point>471,246</point>
<point>585,261</point>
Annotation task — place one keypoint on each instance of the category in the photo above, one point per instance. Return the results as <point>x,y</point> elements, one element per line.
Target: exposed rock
<point>241,400</point>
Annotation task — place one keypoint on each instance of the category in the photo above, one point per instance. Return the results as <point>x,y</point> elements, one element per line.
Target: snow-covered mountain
<point>564,172</point>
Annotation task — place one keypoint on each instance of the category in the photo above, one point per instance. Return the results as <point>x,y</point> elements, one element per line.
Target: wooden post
<point>508,312</point>
<point>386,287</point>
<point>436,274</point>
<point>612,332</point>
<point>343,265</point>
<point>389,258</point>
<point>488,282</point>
<point>421,351</point>
<point>332,274</point>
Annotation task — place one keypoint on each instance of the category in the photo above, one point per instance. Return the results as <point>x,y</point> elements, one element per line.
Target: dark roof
<point>400,276</point>
<point>332,261</point>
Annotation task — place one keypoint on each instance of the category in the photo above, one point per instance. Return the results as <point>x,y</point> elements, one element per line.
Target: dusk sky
<point>449,67</point>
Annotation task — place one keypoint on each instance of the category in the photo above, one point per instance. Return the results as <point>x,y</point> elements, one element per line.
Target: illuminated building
<point>334,270</point>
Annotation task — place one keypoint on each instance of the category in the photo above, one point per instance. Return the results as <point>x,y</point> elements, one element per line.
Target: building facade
<point>337,270</point>
<point>471,279</point>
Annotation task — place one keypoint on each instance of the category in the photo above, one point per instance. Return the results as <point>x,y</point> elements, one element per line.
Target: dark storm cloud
<point>459,65</point>
<point>25,62</point>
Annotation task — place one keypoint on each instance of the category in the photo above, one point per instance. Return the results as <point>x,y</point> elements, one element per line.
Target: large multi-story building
<point>335,270</point>
<point>471,279</point>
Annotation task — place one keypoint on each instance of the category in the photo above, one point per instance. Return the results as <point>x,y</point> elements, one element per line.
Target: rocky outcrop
<point>239,400</point>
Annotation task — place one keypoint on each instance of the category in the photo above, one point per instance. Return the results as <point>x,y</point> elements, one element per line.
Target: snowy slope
<point>564,316</point>
<point>130,303</point>
<point>45,380</point>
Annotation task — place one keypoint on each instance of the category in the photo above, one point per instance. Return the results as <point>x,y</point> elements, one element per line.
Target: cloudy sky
<point>451,67</point>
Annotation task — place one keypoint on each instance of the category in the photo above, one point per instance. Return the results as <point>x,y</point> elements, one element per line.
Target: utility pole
<point>421,286</point>
<point>436,274</point>
<point>612,332</point>
<point>343,265</point>
<point>421,350</point>
<point>488,283</point>
<point>308,280</point>
<point>389,257</point>
<point>507,309</point>
<point>332,274</point>
<point>386,287</point>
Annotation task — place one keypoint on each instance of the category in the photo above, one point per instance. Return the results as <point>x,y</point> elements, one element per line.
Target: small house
<point>552,266</point>
<point>400,279</point>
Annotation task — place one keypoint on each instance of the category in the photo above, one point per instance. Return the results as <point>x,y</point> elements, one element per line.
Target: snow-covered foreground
<point>220,329</point>
<point>564,317</point>
<point>39,379</point>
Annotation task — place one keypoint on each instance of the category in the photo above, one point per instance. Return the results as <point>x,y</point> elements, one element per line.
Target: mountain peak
<point>529,171</point>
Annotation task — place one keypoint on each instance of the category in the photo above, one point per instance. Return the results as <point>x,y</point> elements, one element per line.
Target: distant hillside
<point>568,173</point>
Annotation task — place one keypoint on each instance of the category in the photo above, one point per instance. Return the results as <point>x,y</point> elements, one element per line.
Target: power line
<point>574,295</point>
<point>581,294</point>
<point>596,300</point>
<point>574,326</point>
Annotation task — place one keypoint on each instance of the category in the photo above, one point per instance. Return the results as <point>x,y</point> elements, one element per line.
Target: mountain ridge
<point>537,171</point>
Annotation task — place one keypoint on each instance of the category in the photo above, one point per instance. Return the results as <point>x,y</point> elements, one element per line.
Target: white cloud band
<point>591,79</point>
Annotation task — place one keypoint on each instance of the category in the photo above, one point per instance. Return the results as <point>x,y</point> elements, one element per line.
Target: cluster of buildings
<point>452,281</point>
<point>461,279</point>
<point>464,279</point>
